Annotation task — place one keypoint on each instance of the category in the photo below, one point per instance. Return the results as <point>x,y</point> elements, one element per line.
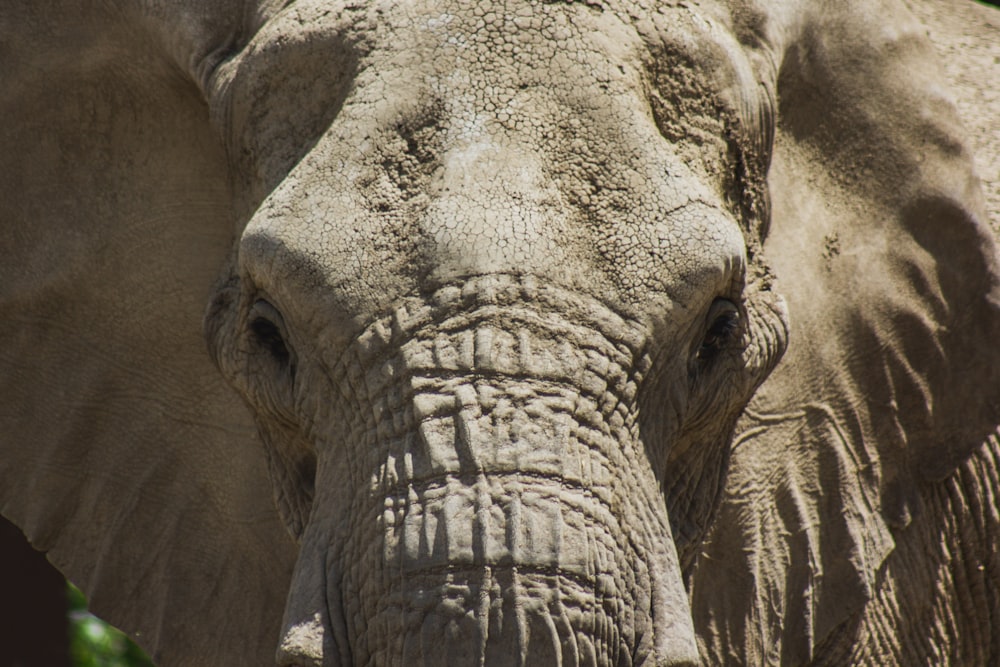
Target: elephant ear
<point>122,453</point>
<point>881,246</point>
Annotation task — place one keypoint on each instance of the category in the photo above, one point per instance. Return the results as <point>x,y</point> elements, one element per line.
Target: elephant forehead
<point>475,141</point>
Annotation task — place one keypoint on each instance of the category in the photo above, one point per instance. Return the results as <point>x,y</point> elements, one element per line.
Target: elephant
<point>525,333</point>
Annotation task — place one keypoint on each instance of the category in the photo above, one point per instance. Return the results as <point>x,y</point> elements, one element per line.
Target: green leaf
<point>94,643</point>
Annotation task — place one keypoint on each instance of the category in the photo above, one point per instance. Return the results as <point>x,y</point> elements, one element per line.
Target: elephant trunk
<point>501,508</point>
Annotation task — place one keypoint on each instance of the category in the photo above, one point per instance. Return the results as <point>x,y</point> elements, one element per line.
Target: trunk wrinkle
<point>495,445</point>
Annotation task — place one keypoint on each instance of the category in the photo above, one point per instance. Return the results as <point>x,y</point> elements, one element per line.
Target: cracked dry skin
<point>501,328</point>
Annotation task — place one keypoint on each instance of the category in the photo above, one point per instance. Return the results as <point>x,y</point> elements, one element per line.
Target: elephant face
<point>490,288</point>
<point>496,324</point>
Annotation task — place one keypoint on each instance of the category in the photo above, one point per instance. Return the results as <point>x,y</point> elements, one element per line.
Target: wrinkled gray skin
<point>499,286</point>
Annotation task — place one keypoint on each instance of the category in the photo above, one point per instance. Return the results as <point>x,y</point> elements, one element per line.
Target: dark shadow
<point>34,629</point>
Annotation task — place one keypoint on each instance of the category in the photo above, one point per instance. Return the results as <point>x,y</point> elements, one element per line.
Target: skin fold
<point>538,333</point>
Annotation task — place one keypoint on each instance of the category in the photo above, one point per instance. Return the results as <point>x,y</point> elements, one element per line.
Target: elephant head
<point>495,335</point>
<point>493,286</point>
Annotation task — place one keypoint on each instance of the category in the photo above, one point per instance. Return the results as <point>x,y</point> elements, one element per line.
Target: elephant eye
<point>723,327</point>
<point>266,325</point>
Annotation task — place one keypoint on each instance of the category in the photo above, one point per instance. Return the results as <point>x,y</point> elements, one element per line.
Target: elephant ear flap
<point>880,244</point>
<point>122,453</point>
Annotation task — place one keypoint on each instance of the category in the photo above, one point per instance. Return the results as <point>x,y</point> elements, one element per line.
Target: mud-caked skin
<point>561,333</point>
